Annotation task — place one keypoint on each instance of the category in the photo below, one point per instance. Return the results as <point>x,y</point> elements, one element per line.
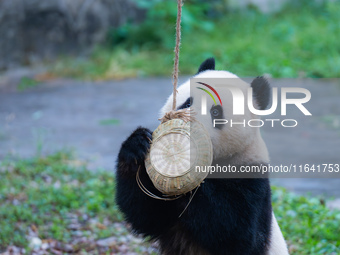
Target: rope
<point>180,114</point>
<point>183,114</point>
<point>190,199</point>
<point>150,194</point>
<point>178,43</point>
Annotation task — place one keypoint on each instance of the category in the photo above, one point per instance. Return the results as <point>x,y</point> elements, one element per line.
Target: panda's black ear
<point>261,91</point>
<point>208,64</point>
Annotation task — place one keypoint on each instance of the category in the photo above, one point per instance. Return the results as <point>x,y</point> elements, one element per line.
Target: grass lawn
<point>68,208</point>
<point>47,202</point>
<point>299,41</point>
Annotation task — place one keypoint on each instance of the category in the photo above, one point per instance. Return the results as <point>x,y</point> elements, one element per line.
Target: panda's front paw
<point>135,148</point>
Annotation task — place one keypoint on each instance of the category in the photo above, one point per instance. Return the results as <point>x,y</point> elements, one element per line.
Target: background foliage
<point>298,41</point>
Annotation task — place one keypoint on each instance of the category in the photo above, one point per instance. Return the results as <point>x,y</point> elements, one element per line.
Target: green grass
<point>107,122</point>
<point>306,223</point>
<point>44,192</point>
<point>297,42</point>
<point>27,83</point>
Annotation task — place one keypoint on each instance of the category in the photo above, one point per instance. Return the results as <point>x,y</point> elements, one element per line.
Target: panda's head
<point>242,144</point>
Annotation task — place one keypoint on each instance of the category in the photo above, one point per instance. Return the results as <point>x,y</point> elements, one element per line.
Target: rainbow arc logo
<point>209,93</point>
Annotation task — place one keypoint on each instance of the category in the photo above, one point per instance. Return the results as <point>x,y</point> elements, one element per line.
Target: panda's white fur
<point>239,139</point>
<point>245,144</point>
<point>278,245</point>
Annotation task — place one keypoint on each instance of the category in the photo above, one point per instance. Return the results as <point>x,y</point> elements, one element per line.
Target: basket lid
<point>177,148</point>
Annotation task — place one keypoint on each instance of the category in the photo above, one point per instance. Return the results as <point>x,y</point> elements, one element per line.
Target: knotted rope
<point>178,43</point>
<point>183,114</point>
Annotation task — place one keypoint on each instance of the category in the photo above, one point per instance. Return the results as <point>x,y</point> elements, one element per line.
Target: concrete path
<point>95,117</point>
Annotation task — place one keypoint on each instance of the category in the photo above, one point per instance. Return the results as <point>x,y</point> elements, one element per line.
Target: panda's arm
<point>230,216</point>
<point>148,216</point>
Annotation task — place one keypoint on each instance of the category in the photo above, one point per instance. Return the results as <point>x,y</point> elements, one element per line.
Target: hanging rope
<point>183,114</point>
<point>178,43</point>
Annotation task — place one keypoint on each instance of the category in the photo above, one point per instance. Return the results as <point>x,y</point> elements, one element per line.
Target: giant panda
<point>226,216</point>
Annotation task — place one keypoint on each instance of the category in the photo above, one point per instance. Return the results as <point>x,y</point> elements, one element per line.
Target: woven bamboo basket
<point>176,149</point>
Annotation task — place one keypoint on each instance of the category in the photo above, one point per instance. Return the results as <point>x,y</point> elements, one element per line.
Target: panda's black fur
<point>208,64</point>
<point>261,91</point>
<point>226,216</point>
